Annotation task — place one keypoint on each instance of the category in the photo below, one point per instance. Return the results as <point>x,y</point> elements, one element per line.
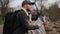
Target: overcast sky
<point>47,3</point>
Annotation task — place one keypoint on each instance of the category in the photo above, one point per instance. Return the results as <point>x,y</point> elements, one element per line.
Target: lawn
<point>1,20</point>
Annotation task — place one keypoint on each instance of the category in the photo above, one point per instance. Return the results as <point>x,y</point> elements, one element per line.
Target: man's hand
<point>33,23</point>
<point>39,25</point>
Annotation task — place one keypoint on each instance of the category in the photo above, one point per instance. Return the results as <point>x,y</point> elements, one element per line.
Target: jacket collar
<point>25,11</point>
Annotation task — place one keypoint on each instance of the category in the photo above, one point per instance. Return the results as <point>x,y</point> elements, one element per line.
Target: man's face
<point>29,6</point>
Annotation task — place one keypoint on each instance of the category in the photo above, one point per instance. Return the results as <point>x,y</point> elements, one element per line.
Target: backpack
<point>10,19</point>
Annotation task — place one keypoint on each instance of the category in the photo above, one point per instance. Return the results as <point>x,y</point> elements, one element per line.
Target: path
<point>1,29</point>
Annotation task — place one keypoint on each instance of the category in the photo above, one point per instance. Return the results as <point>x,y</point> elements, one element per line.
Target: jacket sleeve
<point>23,18</point>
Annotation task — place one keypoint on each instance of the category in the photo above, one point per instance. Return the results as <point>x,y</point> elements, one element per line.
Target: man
<point>21,26</point>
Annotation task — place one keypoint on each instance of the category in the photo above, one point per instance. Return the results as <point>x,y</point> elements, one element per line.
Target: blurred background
<point>49,8</point>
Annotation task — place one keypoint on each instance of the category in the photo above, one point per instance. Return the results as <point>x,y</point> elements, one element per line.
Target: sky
<point>47,3</point>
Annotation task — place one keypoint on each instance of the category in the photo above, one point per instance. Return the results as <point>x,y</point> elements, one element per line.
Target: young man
<point>22,25</point>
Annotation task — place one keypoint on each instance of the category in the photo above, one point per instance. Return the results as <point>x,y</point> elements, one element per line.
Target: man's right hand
<point>39,25</point>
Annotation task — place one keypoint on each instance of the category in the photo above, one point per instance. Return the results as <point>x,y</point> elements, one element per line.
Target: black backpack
<point>10,19</point>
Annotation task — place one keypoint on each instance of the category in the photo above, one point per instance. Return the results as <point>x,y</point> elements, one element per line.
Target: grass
<point>1,20</point>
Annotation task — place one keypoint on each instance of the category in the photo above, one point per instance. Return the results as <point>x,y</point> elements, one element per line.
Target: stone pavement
<point>53,28</point>
<point>1,29</point>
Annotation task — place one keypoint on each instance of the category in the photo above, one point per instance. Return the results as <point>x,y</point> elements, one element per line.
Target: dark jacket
<point>21,25</point>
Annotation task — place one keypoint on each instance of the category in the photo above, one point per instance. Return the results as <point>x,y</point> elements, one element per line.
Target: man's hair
<point>23,4</point>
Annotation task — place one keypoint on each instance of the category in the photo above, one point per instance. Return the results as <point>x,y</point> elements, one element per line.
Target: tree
<point>40,5</point>
<point>4,6</point>
<point>52,12</point>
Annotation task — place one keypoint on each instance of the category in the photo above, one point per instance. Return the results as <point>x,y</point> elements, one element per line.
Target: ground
<point>1,29</point>
<point>51,28</point>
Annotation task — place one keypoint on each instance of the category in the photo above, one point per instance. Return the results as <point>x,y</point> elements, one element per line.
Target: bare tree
<point>40,3</point>
<point>4,6</point>
<point>54,12</point>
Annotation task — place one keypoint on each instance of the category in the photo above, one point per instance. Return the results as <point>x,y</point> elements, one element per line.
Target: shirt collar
<point>25,11</point>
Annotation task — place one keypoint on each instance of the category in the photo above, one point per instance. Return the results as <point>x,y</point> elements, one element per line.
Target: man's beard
<point>28,9</point>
